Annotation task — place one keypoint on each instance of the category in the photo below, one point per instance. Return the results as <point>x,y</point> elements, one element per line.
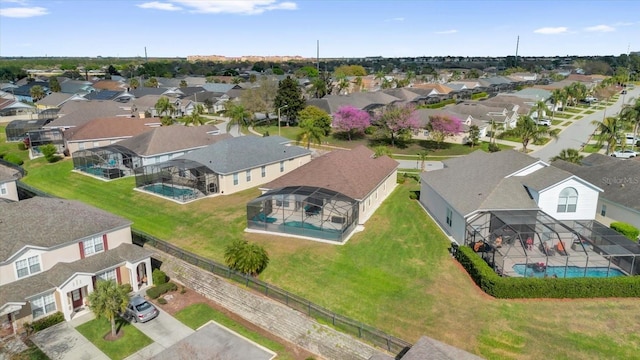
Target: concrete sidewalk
<point>63,341</point>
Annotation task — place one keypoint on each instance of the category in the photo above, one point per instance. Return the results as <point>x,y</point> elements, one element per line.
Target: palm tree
<point>422,156</point>
<point>247,258</point>
<point>540,109</point>
<point>358,83</point>
<point>569,155</point>
<point>310,132</point>
<point>610,131</point>
<point>164,107</point>
<point>108,300</point>
<point>134,83</point>
<point>194,118</point>
<point>36,92</point>
<point>528,131</point>
<point>238,116</point>
<point>343,83</point>
<point>630,113</point>
<point>556,96</point>
<point>379,75</point>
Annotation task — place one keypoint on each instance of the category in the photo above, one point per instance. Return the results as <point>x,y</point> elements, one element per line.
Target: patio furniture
<point>264,218</point>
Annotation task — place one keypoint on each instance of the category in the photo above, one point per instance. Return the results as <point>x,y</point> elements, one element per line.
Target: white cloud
<point>395,19</point>
<point>551,30</point>
<point>452,31</point>
<point>624,23</point>
<point>600,28</point>
<point>246,7</point>
<point>159,6</point>
<point>23,12</point>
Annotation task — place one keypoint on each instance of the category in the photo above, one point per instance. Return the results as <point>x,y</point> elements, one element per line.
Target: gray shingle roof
<point>18,291</point>
<point>244,152</point>
<point>76,113</point>
<point>219,87</point>
<point>430,349</point>
<point>49,222</point>
<point>171,139</point>
<point>362,100</point>
<point>8,174</point>
<point>468,181</point>
<point>619,179</point>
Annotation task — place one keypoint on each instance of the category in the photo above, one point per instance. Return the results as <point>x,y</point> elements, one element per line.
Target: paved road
<point>415,164</point>
<point>578,133</point>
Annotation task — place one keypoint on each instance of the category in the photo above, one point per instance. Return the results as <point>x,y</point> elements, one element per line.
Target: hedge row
<point>156,291</point>
<point>628,230</point>
<point>44,323</point>
<point>520,287</point>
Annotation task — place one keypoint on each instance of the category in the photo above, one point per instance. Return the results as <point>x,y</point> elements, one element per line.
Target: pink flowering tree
<point>442,126</point>
<point>351,120</point>
<point>398,121</point>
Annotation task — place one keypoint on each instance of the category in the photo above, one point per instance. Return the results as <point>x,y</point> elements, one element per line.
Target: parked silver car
<point>140,310</point>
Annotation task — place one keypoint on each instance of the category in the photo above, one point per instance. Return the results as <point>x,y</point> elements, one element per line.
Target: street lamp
<point>280,108</point>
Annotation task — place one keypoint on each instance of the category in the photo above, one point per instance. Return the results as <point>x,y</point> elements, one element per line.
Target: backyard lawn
<point>131,341</point>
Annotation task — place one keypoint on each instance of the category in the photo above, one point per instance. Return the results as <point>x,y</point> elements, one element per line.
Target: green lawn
<point>557,122</point>
<point>396,275</point>
<point>572,110</point>
<point>10,147</point>
<point>592,148</point>
<point>131,341</point>
<point>578,117</point>
<point>589,112</point>
<point>197,315</point>
<point>563,116</point>
<point>567,123</point>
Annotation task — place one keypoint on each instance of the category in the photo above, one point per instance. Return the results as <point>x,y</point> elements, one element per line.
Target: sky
<point>178,28</point>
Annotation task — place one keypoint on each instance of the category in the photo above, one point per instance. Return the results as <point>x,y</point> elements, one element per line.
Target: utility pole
<point>318,56</point>
<point>517,45</point>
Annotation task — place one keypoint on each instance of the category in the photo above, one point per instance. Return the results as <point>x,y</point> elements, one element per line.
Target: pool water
<point>571,271</point>
<point>301,224</point>
<point>170,191</point>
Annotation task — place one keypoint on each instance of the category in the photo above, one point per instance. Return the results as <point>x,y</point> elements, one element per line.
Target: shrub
<point>628,230</point>
<point>162,301</point>
<point>370,130</point>
<point>159,277</point>
<point>49,151</point>
<point>183,290</point>
<point>414,195</point>
<point>14,159</point>
<point>493,147</point>
<point>44,323</point>
<point>127,287</point>
<point>155,291</point>
<point>22,146</point>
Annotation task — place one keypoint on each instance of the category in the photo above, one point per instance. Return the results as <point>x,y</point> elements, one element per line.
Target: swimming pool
<point>571,271</point>
<point>170,191</point>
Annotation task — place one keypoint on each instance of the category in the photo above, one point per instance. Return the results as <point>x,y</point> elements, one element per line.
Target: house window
<point>248,175</point>
<point>96,144</point>
<point>282,201</point>
<point>235,179</point>
<point>43,305</point>
<point>603,210</point>
<point>3,189</point>
<point>281,166</point>
<point>108,275</point>
<point>568,200</point>
<point>449,217</point>
<point>28,266</point>
<point>80,146</point>
<point>93,245</point>
<point>264,171</point>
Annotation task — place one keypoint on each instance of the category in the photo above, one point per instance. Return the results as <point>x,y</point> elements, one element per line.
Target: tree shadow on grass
<point>431,145</point>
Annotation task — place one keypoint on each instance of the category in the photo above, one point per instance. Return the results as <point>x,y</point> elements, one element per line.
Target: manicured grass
<point>197,315</point>
<point>578,117</point>
<point>11,147</point>
<point>131,341</point>
<point>592,148</point>
<point>589,112</point>
<point>567,123</point>
<point>563,116</point>
<point>396,275</point>
<point>572,110</point>
<point>599,108</point>
<point>557,122</point>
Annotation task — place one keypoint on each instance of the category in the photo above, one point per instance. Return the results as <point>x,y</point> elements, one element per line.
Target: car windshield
<point>142,307</point>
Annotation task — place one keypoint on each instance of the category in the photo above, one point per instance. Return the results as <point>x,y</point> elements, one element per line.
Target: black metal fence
<point>344,324</point>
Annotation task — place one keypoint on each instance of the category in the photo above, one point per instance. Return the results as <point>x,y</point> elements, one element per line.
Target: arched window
<point>568,200</point>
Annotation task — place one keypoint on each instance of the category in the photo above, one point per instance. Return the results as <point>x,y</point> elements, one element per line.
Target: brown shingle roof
<point>111,127</point>
<point>354,173</point>
<point>167,139</point>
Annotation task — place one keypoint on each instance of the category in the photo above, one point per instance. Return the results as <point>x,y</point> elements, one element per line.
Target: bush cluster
<point>628,230</point>
<point>14,159</point>
<point>159,277</point>
<point>155,291</point>
<point>44,323</point>
<point>519,287</point>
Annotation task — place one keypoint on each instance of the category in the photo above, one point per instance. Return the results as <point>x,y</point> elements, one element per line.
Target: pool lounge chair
<point>264,218</point>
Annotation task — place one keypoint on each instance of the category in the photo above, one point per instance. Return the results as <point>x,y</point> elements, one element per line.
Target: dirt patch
<point>111,337</point>
<point>178,300</point>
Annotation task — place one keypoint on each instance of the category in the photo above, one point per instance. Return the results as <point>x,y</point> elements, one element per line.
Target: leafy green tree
<point>319,117</point>
<point>474,135</point>
<point>289,99</point>
<point>260,99</point>
<point>247,258</point>
<point>107,301</point>
<point>134,83</point>
<point>610,131</point>
<point>49,151</point>
<point>309,72</point>
<point>569,155</point>
<point>152,82</point>
<point>36,92</point>
<point>238,116</point>
<point>528,131</point>
<point>381,150</point>
<point>54,84</point>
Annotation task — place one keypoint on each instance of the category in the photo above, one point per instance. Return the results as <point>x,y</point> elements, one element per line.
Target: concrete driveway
<point>164,330</point>
<point>63,341</point>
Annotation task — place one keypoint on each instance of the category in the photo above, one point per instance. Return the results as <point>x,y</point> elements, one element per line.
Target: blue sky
<point>170,28</point>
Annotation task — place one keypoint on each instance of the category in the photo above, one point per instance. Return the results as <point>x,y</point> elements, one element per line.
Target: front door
<point>76,298</point>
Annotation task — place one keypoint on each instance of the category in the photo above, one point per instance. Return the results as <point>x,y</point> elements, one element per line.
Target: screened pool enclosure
<point>304,211</point>
<point>181,180</point>
<point>530,243</point>
<point>107,162</point>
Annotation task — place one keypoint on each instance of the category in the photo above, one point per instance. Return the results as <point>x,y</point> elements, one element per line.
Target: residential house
<point>503,181</point>
<point>327,197</point>
<point>106,131</point>
<point>424,116</point>
<point>52,252</point>
<point>79,87</point>
<point>73,114</point>
<point>429,348</point>
<point>620,181</point>
<point>23,92</point>
<point>225,167</point>
<point>157,145</point>
<point>9,175</point>
<point>372,102</point>
<point>497,116</point>
<point>55,100</point>
<point>12,107</point>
